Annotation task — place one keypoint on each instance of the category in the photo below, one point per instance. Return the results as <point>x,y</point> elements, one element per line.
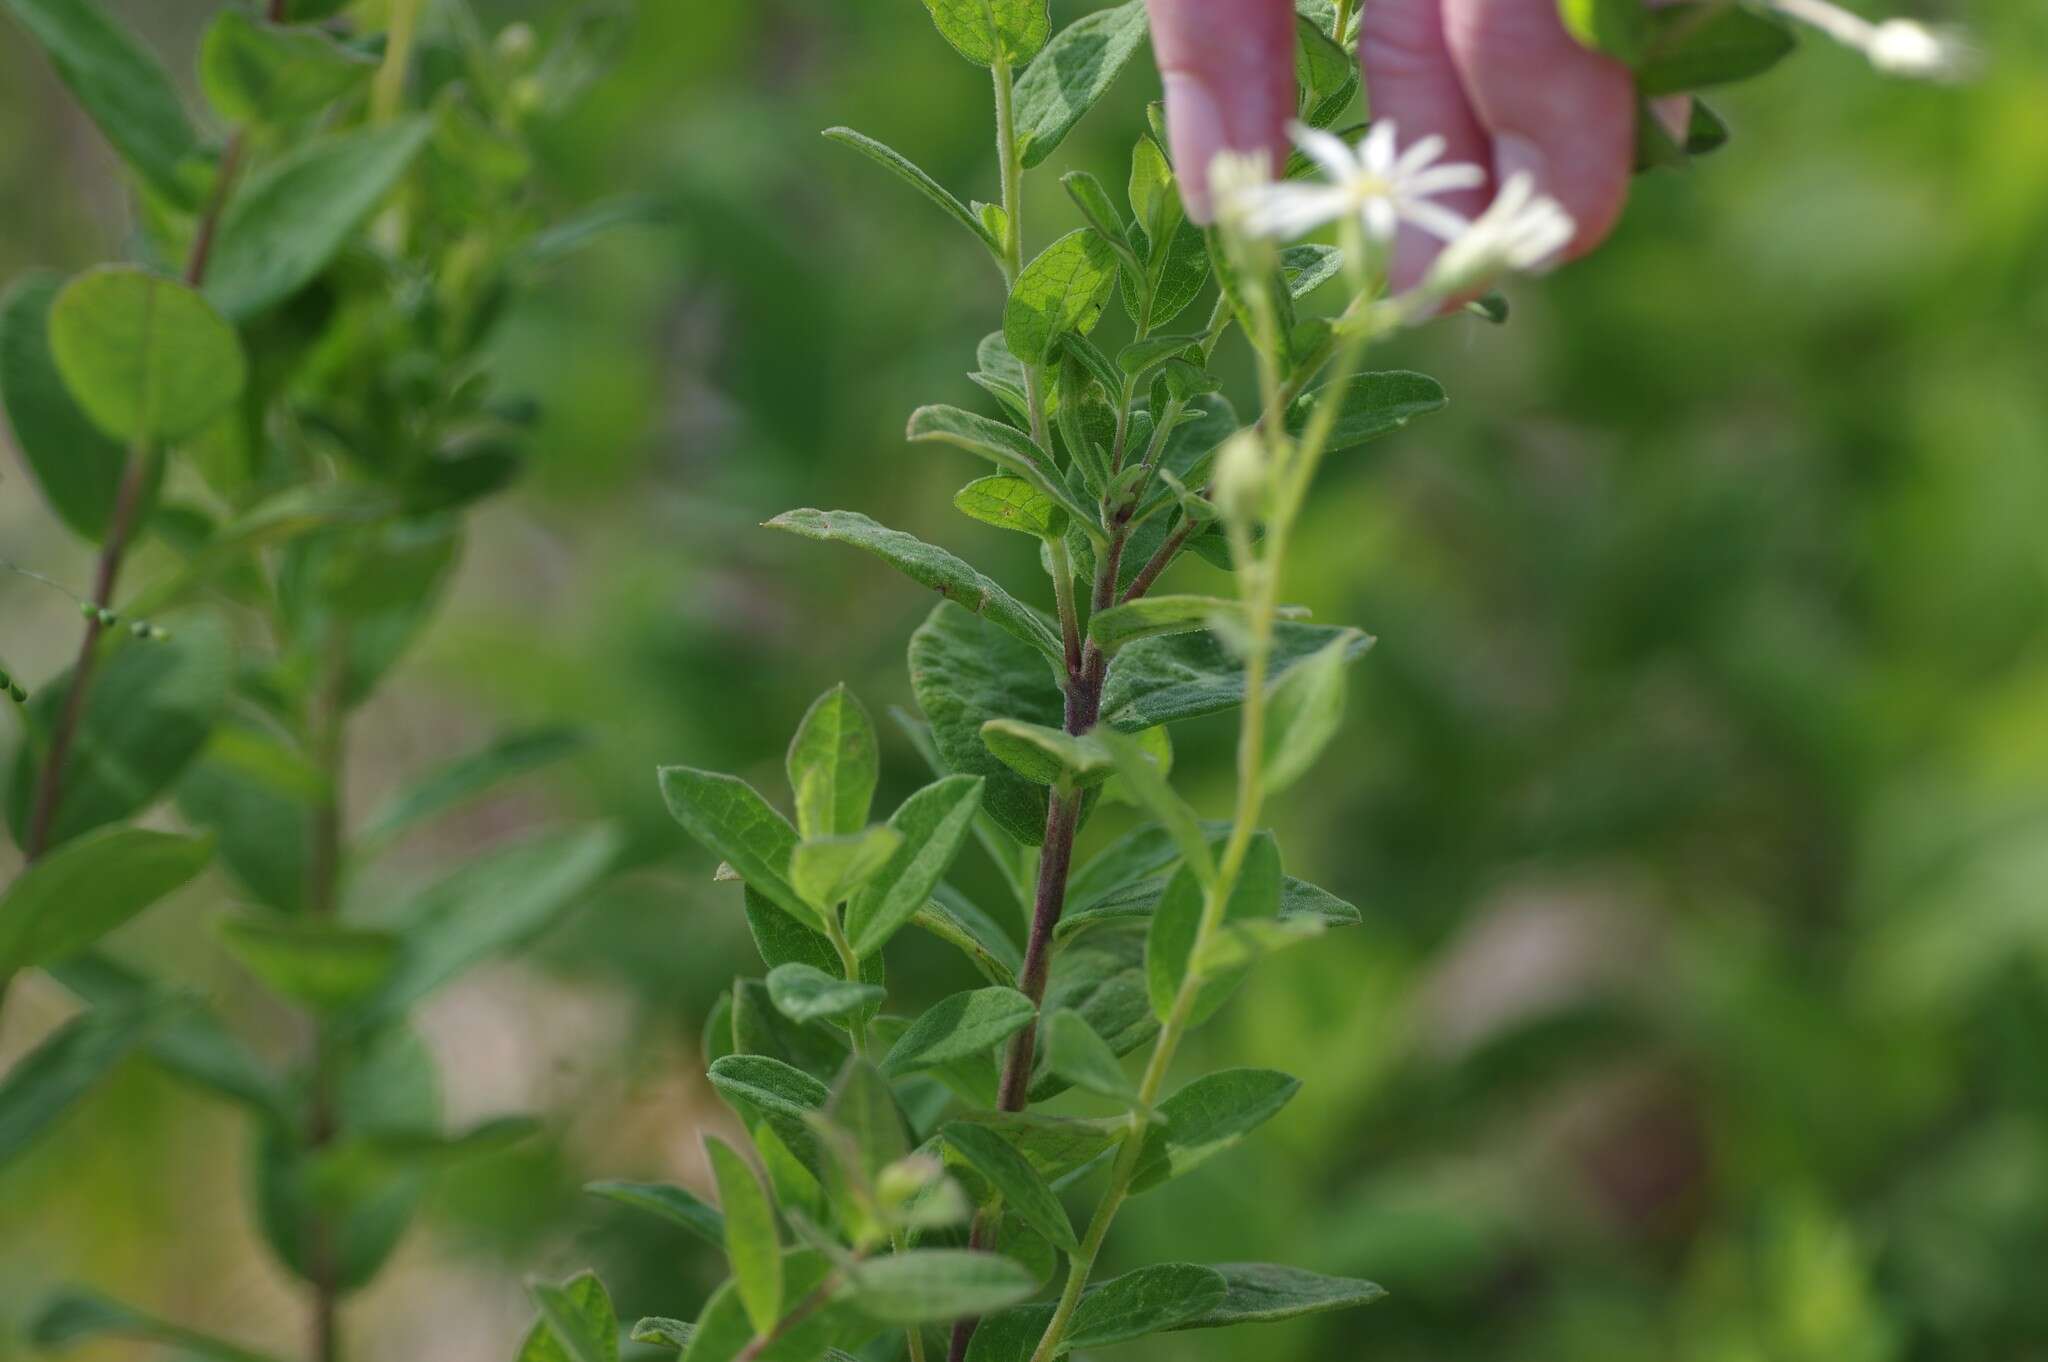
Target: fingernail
<point>1194,124</point>
<point>1514,154</point>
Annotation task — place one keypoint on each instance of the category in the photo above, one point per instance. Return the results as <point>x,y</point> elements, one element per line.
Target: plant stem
<point>327,741</point>
<point>128,501</point>
<point>387,89</point>
<point>1259,575</point>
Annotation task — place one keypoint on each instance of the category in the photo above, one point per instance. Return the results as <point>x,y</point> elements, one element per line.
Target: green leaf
<point>677,1205</point>
<point>1079,1056</point>
<point>805,993</point>
<point>1302,905</point>
<point>1057,1146</point>
<point>1156,616</point>
<point>78,467</point>
<point>1142,778</point>
<point>965,1024</point>
<point>1170,942</point>
<point>782,939</point>
<point>87,887</point>
<point>983,30</point>
<point>144,356</point>
<point>753,1243</point>
<point>1181,676</point>
<point>826,871</point>
<point>1264,1293</point>
<point>1178,273</point>
<point>1102,979</point>
<point>1306,268</point>
<point>723,1331</point>
<point>759,1028</point>
<point>1370,405</point>
<point>965,673</point>
<point>74,1316</point>
<point>730,820</point>
<point>899,165</point>
<point>959,923</point>
<point>122,88</point>
<point>1023,1191</point>
<point>1074,71</point>
<point>188,1042</point>
<point>935,1286</point>
<point>63,1068</point>
<point>932,824</point>
<point>147,717</point>
<point>257,794</point>
<point>1045,755</point>
<point>1693,46</point>
<point>1005,446</point>
<point>1145,1301</point>
<point>1304,710</point>
<point>294,216</point>
<point>496,902</point>
<point>577,1322</point>
<point>1207,1117</point>
<point>323,965</point>
<point>769,1091</point>
<point>930,567</point>
<point>364,1197</point>
<point>452,785</point>
<point>833,766</point>
<point>1620,28</point>
<point>1326,72</point>
<point>1063,289</point>
<point>255,72</point>
<point>1011,503</point>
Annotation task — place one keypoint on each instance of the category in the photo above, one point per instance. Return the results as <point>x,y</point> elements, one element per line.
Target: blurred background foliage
<point>1696,796</point>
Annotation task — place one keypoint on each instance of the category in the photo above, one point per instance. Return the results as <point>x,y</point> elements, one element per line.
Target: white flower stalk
<point>1897,47</point>
<point>1520,231</point>
<point>1379,184</point>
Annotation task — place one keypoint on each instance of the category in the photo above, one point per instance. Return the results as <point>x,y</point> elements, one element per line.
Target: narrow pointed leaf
<point>1005,446</point>
<point>1264,1293</point>
<point>1046,755</point>
<point>122,89</point>
<point>730,820</point>
<point>293,217</point>
<point>1207,1117</point>
<point>935,1286</point>
<point>833,766</point>
<point>1075,1053</point>
<point>1304,711</point>
<point>931,567</point>
<point>826,871</point>
<point>677,1205</point>
<point>1182,676</point>
<point>1369,406</point>
<point>74,1316</point>
<point>1074,71</point>
<point>578,1319</point>
<point>804,993</point>
<point>752,1240</point>
<point>965,1024</point>
<point>904,169</point>
<point>89,886</point>
<point>1023,1190</point>
<point>932,824</point>
<point>1011,503</point>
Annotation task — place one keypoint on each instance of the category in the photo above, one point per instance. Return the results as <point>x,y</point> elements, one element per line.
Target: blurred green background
<point>1696,796</point>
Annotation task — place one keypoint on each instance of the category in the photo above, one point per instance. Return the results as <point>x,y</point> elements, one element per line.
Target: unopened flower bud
<point>1240,478</point>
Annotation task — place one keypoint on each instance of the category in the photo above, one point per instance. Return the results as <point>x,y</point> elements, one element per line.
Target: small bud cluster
<point>107,619</point>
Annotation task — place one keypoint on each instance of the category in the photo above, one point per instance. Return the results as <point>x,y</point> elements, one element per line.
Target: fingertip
<point>1554,110</point>
<point>1227,67</point>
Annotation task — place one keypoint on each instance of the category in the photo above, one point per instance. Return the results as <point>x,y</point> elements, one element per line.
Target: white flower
<point>1898,47</point>
<point>1901,47</point>
<point>1236,180</point>
<point>1382,186</point>
<point>1520,230</point>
